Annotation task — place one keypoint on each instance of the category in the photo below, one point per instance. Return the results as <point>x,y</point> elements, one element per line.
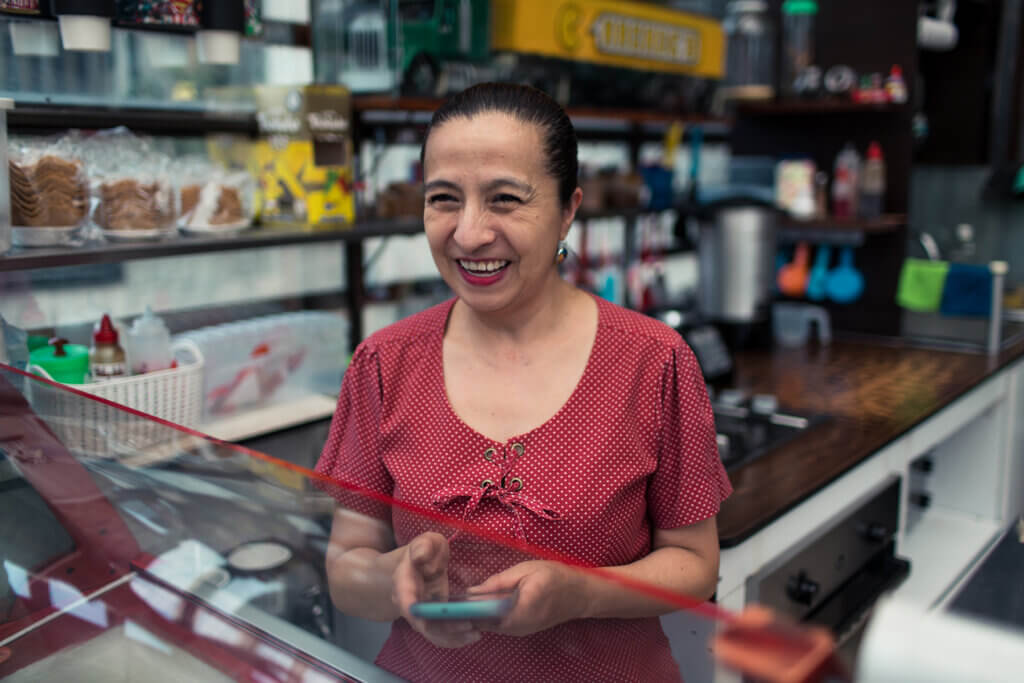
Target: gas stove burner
<point>749,426</point>
<point>259,556</point>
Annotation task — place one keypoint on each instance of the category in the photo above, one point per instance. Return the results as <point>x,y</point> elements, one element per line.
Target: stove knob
<point>731,397</point>
<point>801,589</point>
<point>764,404</point>
<point>874,532</point>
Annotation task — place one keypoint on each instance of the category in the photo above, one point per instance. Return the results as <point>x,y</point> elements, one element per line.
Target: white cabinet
<point>975,487</point>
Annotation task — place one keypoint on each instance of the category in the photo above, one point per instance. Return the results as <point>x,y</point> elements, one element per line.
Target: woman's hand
<point>549,594</point>
<point>422,575</point>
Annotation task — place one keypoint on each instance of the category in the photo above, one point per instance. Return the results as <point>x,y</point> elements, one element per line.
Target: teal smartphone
<point>466,607</point>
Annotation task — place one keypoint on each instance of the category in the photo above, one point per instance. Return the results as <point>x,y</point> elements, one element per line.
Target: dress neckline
<point>518,438</point>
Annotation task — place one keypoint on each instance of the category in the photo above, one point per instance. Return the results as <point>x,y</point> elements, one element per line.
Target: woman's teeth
<point>483,266</point>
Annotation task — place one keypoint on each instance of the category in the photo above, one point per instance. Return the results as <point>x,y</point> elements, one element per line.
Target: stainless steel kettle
<point>736,254</point>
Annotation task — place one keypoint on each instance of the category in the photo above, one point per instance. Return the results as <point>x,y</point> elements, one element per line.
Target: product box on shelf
<point>303,158</point>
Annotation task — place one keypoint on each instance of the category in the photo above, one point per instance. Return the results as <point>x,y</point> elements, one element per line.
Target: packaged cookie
<point>49,191</point>
<point>134,197</point>
<point>213,200</point>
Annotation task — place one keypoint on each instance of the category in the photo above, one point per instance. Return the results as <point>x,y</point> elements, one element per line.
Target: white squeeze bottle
<point>149,344</point>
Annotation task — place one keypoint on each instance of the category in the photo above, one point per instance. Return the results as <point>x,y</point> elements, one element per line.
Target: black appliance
<point>834,577</point>
<point>751,426</point>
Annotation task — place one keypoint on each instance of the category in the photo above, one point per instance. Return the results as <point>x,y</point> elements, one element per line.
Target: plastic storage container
<point>63,362</point>
<point>272,359</point>
<point>5,187</point>
<point>750,36</point>
<point>797,42</point>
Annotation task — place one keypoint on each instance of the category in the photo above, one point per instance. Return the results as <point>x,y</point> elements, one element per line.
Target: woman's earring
<point>563,251</point>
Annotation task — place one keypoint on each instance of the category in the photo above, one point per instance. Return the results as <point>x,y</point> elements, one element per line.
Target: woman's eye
<point>440,199</point>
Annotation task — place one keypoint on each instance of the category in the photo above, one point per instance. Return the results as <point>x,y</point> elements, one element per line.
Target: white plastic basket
<point>175,395</point>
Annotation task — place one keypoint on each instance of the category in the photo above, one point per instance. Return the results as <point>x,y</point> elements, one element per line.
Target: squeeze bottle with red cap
<point>872,194</point>
<point>106,357</point>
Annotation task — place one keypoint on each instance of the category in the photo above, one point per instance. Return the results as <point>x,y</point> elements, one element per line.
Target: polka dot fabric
<point>633,448</point>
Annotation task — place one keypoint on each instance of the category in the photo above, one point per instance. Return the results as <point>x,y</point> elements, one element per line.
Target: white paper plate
<point>210,230</point>
<point>259,556</point>
<point>42,236</point>
<point>137,235</point>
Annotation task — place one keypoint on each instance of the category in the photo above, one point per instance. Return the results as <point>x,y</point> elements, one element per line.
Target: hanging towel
<point>968,291</point>
<point>921,284</point>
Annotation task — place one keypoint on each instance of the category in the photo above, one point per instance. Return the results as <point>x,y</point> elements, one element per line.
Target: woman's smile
<point>480,273</point>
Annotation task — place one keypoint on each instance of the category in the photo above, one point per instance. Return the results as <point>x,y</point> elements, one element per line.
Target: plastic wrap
<point>49,191</point>
<point>213,200</point>
<point>135,198</point>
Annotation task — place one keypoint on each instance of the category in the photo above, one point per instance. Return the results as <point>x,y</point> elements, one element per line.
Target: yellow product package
<point>303,158</point>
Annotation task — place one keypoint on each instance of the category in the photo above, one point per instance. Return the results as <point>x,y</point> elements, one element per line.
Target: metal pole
<point>999,269</point>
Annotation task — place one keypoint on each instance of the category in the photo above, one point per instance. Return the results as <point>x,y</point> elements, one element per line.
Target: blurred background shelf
<point>839,231</point>
<point>787,107</point>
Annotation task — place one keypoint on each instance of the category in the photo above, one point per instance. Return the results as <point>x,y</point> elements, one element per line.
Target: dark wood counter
<point>874,392</point>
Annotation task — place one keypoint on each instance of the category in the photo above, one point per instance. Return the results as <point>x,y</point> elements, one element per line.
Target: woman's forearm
<point>361,582</point>
<point>678,570</point>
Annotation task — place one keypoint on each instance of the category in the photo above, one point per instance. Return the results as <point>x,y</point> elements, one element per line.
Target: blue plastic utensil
<point>845,283</point>
<point>817,284</point>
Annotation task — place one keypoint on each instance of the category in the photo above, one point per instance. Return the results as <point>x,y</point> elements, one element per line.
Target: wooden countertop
<point>874,392</point>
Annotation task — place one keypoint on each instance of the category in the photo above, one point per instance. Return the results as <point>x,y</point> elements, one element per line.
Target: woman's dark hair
<point>527,105</point>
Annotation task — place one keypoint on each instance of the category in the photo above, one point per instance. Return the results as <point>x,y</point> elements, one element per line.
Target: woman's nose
<point>473,229</point>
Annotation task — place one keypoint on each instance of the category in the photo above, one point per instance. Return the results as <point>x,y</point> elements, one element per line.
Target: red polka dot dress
<point>632,449</point>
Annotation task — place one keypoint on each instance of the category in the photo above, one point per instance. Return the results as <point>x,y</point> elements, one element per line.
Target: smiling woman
<point>531,410</point>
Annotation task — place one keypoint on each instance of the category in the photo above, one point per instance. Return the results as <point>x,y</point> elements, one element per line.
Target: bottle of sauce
<point>106,357</point>
<point>845,183</point>
<point>872,195</point>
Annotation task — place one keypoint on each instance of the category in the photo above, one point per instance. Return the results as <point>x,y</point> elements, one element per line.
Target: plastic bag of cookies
<point>49,191</point>
<point>213,199</point>
<point>135,198</point>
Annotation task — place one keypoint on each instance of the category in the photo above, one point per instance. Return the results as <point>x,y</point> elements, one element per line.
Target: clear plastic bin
<point>271,359</point>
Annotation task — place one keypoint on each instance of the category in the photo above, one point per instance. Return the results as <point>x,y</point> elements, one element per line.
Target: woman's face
<point>492,213</point>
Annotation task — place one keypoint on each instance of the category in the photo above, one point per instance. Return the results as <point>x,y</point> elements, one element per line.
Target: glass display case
<point>134,549</point>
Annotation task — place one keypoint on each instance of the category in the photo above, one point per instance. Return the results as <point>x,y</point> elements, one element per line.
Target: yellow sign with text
<point>634,35</point>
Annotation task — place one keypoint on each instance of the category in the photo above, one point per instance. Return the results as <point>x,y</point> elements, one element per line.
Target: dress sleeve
<point>352,457</point>
<point>690,482</point>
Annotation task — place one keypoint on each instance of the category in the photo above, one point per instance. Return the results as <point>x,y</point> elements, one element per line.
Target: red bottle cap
<point>105,333</point>
<point>874,151</point>
<point>896,71</point>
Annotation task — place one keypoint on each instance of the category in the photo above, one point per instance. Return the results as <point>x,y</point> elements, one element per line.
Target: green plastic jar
<point>64,362</point>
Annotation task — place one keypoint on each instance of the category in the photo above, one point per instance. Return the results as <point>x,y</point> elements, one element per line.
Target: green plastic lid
<point>800,7</point>
<point>37,341</point>
<point>67,363</point>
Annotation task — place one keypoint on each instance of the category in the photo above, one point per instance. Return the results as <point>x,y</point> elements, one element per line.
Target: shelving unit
<point>838,231</point>
<point>940,546</point>
<point>827,106</point>
<point>818,129</point>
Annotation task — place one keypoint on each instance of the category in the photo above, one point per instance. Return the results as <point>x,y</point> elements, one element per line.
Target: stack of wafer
<point>130,204</point>
<point>51,192</point>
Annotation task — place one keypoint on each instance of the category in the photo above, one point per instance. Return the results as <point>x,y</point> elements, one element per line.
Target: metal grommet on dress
<point>489,454</point>
<point>516,484</point>
<point>485,483</point>
<point>518,448</point>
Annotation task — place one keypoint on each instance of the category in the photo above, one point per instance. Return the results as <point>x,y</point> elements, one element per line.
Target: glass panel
<point>144,69</point>
<point>163,555</point>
